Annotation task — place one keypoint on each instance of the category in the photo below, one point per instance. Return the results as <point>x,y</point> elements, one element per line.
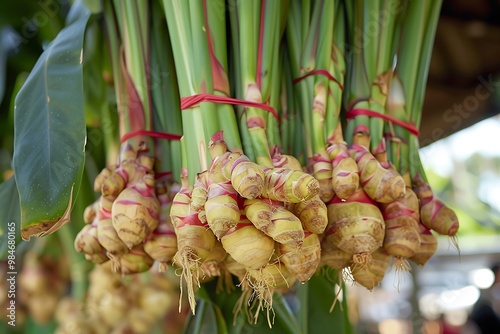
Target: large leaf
<point>205,320</point>
<point>50,135</point>
<point>282,318</point>
<point>321,294</point>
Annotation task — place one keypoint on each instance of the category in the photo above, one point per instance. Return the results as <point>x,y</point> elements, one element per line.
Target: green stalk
<point>298,147</point>
<point>249,13</point>
<point>184,156</point>
<point>370,69</point>
<point>371,36</point>
<point>384,59</point>
<point>274,19</point>
<point>136,47</point>
<point>417,39</point>
<point>287,104</point>
<point>296,33</point>
<point>236,79</point>
<point>292,127</point>
<point>216,23</point>
<point>129,50</point>
<point>272,66</point>
<point>433,10</point>
<point>333,125</point>
<point>305,8</point>
<point>305,88</point>
<point>321,85</point>
<point>300,43</point>
<point>397,144</point>
<point>358,89</point>
<point>407,68</point>
<point>274,135</point>
<point>114,51</point>
<point>249,26</point>
<point>337,68</point>
<point>111,146</point>
<point>186,28</point>
<point>165,95</point>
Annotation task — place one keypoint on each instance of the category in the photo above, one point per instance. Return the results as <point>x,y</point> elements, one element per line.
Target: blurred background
<point>460,136</point>
<point>460,139</point>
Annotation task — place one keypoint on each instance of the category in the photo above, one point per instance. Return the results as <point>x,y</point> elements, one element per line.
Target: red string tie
<point>366,112</point>
<point>147,133</point>
<point>191,101</point>
<point>320,72</point>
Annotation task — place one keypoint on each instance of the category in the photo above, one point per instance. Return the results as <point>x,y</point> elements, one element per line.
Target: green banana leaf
<point>320,296</point>
<point>215,313</point>
<point>49,142</point>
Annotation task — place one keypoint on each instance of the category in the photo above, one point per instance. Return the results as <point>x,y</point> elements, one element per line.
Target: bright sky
<point>483,137</point>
